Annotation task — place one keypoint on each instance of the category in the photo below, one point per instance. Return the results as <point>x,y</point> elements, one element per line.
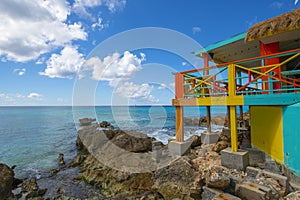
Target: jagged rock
<point>6,181</point>
<point>179,180</point>
<point>78,160</point>
<point>36,193</point>
<point>217,180</point>
<point>219,146</point>
<point>61,160</point>
<point>17,182</point>
<point>211,155</point>
<point>133,141</point>
<point>114,183</point>
<point>225,135</point>
<point>31,189</point>
<point>29,185</point>
<point>104,124</point>
<point>293,196</point>
<point>79,144</point>
<point>86,121</point>
<point>54,171</point>
<point>61,190</point>
<point>110,134</point>
<point>196,141</point>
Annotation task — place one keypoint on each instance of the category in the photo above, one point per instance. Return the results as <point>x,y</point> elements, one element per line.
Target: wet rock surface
<point>6,181</point>
<point>67,183</point>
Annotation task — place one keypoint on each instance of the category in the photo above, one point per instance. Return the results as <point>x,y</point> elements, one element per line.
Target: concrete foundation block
<point>234,160</point>
<point>256,157</point>
<point>179,148</point>
<point>233,182</point>
<point>282,180</point>
<point>272,165</point>
<point>210,193</point>
<point>209,138</point>
<point>250,191</point>
<point>253,172</point>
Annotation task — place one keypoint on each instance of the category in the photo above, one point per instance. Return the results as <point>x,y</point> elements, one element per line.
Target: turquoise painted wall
<point>291,132</point>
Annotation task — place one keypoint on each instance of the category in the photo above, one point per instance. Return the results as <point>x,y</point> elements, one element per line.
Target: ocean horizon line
<point>155,105</point>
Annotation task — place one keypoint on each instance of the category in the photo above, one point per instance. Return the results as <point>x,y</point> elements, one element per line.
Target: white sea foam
<point>166,134</point>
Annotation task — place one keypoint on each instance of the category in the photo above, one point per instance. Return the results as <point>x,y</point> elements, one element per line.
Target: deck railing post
<point>232,108</point>
<point>179,124</point>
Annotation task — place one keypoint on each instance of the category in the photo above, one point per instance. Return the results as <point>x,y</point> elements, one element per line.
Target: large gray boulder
<point>179,180</point>
<point>133,141</point>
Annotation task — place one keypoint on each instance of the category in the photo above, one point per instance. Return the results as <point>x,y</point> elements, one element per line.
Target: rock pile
<point>196,175</point>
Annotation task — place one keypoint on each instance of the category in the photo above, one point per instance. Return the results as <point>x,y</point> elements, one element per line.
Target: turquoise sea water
<point>32,137</point>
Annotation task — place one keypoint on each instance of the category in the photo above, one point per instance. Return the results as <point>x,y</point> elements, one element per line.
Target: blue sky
<point>51,49</point>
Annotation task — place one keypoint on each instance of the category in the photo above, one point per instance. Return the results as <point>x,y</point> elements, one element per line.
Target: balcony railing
<point>242,77</point>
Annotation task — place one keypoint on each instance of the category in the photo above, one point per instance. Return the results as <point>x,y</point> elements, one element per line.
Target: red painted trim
<point>269,49</point>
<point>206,63</point>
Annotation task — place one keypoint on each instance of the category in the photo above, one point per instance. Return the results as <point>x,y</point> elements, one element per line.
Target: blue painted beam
<point>221,43</point>
<point>272,99</point>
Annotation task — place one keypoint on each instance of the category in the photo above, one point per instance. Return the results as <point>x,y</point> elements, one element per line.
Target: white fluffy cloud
<point>81,7</point>
<point>67,64</point>
<point>114,5</point>
<point>99,24</point>
<point>34,96</point>
<point>115,68</point>
<point>30,28</point>
<point>140,92</point>
<point>20,72</point>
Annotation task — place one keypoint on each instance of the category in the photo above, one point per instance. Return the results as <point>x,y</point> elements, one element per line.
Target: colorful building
<point>260,69</point>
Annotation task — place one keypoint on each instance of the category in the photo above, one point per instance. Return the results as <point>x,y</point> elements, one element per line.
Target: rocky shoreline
<point>116,164</point>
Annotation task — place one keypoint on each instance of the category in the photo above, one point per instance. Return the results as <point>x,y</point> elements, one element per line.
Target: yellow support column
<point>233,131</point>
<point>232,109</point>
<point>179,124</point>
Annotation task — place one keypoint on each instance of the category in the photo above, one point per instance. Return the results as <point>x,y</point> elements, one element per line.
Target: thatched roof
<point>282,23</point>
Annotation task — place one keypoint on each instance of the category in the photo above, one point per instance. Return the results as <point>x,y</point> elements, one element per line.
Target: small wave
<point>29,172</point>
<point>166,134</point>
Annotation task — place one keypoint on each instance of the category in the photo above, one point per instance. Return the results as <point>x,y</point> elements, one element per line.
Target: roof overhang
<point>236,48</point>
